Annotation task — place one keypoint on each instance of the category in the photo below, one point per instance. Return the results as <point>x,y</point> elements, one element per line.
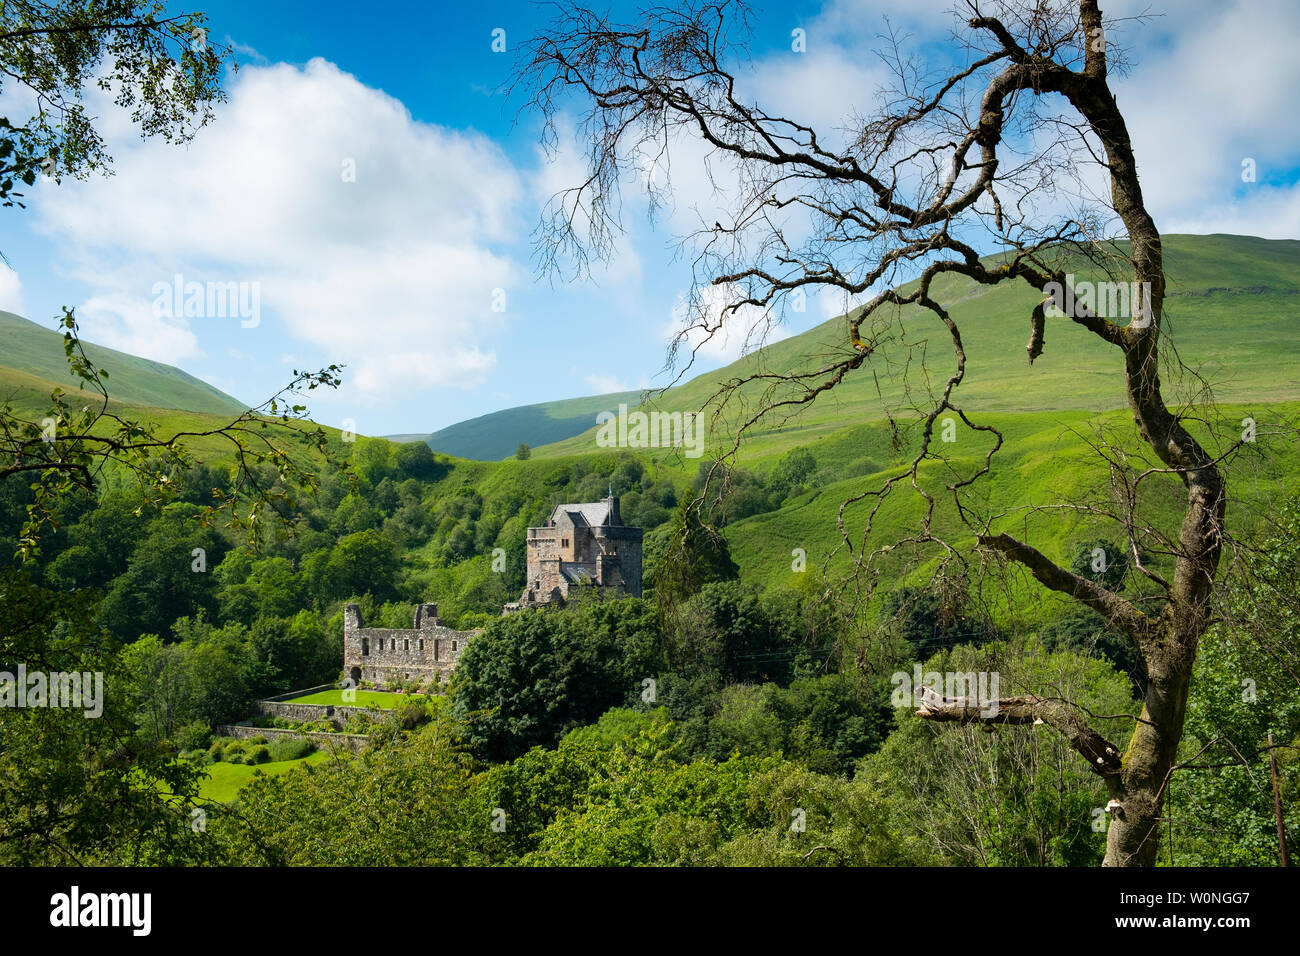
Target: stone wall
<point>337,715</point>
<point>353,742</point>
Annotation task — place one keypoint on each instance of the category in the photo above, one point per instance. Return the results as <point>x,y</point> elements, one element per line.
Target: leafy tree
<point>170,575</point>
<point>162,67</point>
<point>523,452</point>
<point>791,472</point>
<point>693,555</point>
<point>1015,796</point>
<point>534,675</point>
<point>372,459</point>
<point>932,619</point>
<point>416,460</point>
<point>339,812</point>
<point>78,790</point>
<point>1100,561</point>
<point>361,563</point>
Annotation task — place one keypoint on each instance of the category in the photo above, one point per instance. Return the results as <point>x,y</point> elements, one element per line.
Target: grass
<point>225,780</point>
<point>380,700</point>
<point>1229,315</point>
<point>497,435</point>
<point>38,352</point>
<point>1044,462</point>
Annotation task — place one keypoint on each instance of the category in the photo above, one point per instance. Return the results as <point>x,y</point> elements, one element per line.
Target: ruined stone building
<point>386,656</point>
<point>581,545</point>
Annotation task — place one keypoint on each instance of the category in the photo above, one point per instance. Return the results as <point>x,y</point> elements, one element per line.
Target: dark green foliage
<point>169,575</point>
<point>417,460</point>
<point>690,555</point>
<point>532,676</point>
<point>932,619</point>
<point>1101,561</point>
<point>1082,629</point>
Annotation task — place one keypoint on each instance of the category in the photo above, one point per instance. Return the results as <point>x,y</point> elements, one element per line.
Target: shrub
<point>258,754</point>
<point>358,724</point>
<point>195,735</point>
<point>257,739</point>
<point>412,715</point>
<point>291,748</point>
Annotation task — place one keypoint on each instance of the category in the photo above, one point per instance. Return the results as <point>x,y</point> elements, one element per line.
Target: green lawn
<point>381,700</point>
<point>224,780</point>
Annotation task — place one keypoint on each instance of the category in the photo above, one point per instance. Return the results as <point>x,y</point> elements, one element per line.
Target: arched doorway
<point>355,674</point>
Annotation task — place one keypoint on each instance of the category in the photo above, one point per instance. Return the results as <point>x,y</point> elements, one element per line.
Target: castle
<point>386,656</point>
<point>581,545</point>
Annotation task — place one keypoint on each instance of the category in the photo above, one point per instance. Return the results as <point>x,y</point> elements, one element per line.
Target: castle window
<point>406,643</point>
<point>454,645</point>
<point>421,645</point>
<point>365,647</point>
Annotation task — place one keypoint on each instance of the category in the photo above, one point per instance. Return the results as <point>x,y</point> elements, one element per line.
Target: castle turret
<point>426,615</point>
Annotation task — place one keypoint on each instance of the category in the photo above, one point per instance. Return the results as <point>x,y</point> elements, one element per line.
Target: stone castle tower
<point>581,545</point>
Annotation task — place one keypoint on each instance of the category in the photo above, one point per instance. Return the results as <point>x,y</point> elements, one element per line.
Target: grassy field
<point>224,780</point>
<point>37,352</point>
<point>380,700</point>
<point>1045,461</point>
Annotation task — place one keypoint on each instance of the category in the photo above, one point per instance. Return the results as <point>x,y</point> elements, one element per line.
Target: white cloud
<point>392,273</point>
<point>125,323</point>
<point>715,337</point>
<point>1219,88</point>
<point>604,384</point>
<point>11,291</point>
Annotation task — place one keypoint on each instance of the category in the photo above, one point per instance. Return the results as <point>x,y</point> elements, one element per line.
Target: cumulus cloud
<point>371,235</point>
<point>11,291</point>
<point>715,336</point>
<point>1216,89</point>
<point>124,322</point>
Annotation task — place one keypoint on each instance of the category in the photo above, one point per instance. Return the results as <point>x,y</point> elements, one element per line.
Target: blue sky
<point>395,274</point>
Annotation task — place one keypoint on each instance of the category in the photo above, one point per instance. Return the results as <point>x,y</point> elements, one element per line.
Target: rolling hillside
<point>1231,315</point>
<point>33,360</point>
<point>496,435</point>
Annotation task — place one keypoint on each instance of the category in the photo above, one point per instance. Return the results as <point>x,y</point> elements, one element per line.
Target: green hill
<point>33,359</point>
<point>1231,319</point>
<point>1231,315</point>
<point>496,435</point>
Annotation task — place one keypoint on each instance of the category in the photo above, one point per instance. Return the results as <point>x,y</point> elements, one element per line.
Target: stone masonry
<point>581,545</point>
<point>385,656</point>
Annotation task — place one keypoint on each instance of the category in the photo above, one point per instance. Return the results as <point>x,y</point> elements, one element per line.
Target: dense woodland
<point>711,721</point>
